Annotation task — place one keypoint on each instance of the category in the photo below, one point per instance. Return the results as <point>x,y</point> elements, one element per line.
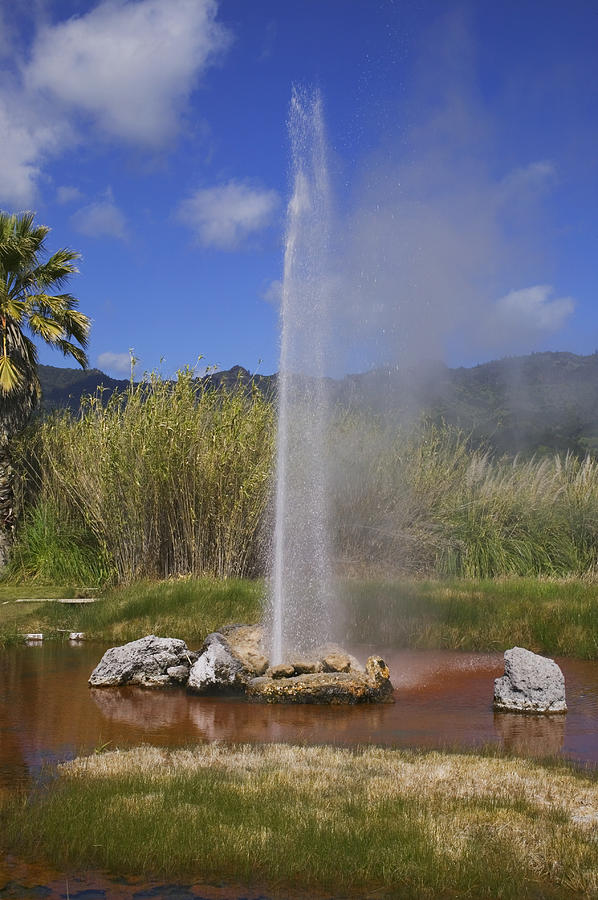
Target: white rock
<point>144,662</point>
<point>531,683</point>
<point>217,668</point>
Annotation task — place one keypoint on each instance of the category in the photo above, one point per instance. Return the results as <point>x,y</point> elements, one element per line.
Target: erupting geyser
<point>301,585</point>
<point>290,659</point>
<point>303,669</point>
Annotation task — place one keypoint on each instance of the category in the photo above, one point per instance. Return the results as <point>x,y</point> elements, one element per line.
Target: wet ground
<point>443,699</point>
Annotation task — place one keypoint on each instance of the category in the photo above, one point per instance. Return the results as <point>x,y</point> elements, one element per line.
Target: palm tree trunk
<point>7,519</point>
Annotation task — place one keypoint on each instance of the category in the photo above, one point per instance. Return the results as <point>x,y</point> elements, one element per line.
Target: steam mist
<point>433,248</point>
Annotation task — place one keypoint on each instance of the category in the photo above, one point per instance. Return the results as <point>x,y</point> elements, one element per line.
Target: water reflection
<point>444,699</point>
<point>531,735</point>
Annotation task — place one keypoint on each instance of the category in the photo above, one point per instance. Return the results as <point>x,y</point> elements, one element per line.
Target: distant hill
<point>63,388</point>
<point>537,403</point>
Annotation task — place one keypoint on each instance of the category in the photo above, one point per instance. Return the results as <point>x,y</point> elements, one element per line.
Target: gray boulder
<point>228,660</point>
<point>531,684</point>
<point>149,662</point>
<point>217,669</point>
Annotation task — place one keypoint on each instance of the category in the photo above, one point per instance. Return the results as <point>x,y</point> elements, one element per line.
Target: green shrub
<point>55,550</point>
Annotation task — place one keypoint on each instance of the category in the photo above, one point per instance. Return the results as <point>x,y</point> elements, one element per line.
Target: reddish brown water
<point>444,699</point>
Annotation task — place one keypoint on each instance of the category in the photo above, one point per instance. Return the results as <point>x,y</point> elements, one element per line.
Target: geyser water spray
<point>301,582</point>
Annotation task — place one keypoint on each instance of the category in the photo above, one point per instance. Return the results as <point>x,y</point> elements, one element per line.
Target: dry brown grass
<point>389,773</point>
<point>321,820</point>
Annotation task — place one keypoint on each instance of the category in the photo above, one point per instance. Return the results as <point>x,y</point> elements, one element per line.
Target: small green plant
<point>54,549</point>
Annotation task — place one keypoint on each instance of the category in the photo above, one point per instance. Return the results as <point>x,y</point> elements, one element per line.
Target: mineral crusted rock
<point>217,669</point>
<point>531,684</point>
<point>371,686</point>
<point>336,662</point>
<point>228,660</point>
<point>282,670</point>
<point>246,643</point>
<point>178,674</point>
<point>305,666</point>
<point>150,662</point>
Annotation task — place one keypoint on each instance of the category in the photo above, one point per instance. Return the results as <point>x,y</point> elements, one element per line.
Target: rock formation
<point>348,685</point>
<point>149,662</point>
<point>531,684</point>
<point>232,661</point>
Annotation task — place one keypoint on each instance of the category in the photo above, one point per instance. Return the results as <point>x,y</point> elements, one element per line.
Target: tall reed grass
<point>169,478</point>
<point>175,478</point>
<point>428,503</point>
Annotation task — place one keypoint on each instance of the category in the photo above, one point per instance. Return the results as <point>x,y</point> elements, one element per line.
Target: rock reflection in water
<point>224,719</point>
<point>140,707</point>
<point>531,735</point>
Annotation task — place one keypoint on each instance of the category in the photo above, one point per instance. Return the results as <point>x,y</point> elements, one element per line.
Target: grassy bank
<point>558,617</point>
<point>555,616</point>
<point>381,822</point>
<point>184,608</point>
<point>174,478</point>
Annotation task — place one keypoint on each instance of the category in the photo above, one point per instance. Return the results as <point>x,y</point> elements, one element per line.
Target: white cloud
<point>223,216</point>
<point>115,362</point>
<point>273,293</point>
<point>529,313</point>
<point>130,66</point>
<point>28,137</point>
<point>102,218</point>
<point>67,194</point>
<point>535,176</point>
<point>126,66</point>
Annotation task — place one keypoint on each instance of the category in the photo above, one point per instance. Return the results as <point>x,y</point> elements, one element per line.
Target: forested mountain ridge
<point>538,403</point>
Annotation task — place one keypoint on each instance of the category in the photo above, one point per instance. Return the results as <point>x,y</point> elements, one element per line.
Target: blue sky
<point>151,136</point>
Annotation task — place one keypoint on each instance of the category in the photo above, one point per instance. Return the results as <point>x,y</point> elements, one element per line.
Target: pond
<point>443,700</point>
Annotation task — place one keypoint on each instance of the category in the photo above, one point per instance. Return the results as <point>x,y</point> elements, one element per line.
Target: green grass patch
<point>318,819</point>
<point>184,608</point>
<point>550,616</point>
<point>554,616</point>
<point>52,549</point>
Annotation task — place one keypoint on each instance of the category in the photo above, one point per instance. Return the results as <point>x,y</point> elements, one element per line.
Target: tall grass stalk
<point>173,478</point>
<point>170,477</point>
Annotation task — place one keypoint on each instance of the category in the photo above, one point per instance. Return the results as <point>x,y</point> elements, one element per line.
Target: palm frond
<point>29,300</point>
<point>48,329</point>
<point>55,271</point>
<point>10,375</point>
<point>13,309</point>
<point>18,344</point>
<point>76,325</point>
<point>70,349</point>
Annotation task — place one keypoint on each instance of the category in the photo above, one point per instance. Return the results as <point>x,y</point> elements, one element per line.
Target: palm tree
<point>29,302</point>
